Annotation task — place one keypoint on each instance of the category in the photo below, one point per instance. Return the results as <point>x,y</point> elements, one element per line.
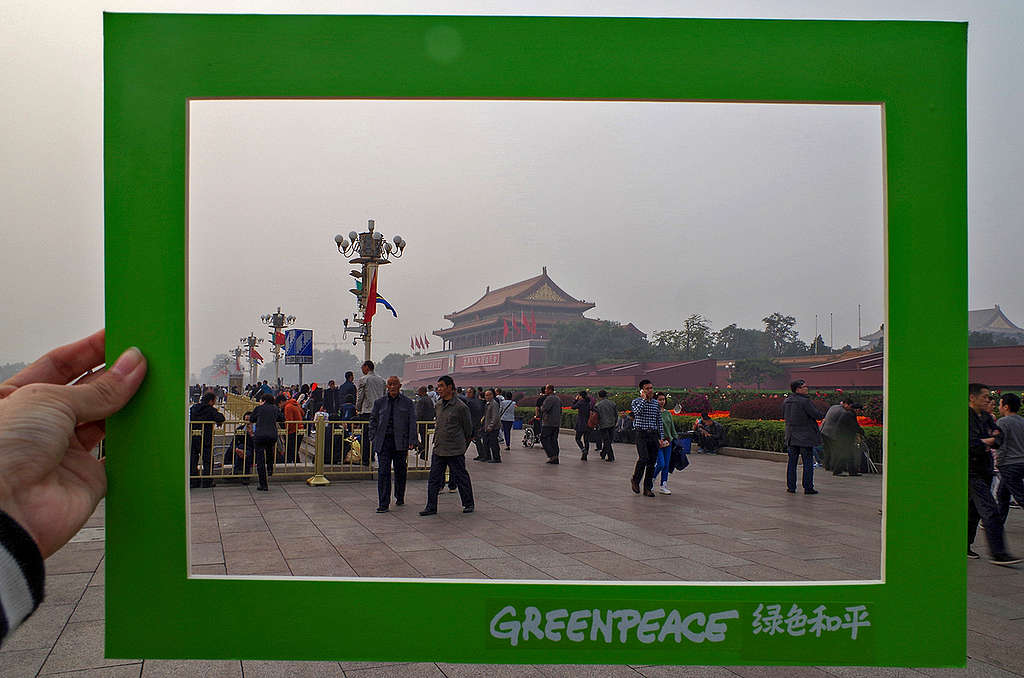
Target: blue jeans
<point>664,459</point>
<point>807,455</point>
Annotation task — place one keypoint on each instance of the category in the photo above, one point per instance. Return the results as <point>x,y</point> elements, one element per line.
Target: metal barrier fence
<point>304,449</point>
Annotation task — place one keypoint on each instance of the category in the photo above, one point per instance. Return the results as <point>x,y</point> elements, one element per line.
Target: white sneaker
<point>664,489</point>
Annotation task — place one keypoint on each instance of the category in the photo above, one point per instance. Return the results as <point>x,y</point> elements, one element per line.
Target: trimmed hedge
<point>750,434</point>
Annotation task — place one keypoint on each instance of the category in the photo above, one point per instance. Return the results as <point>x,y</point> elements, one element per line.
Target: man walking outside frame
<point>393,431</point>
<point>980,503</point>
<point>802,435</point>
<point>491,428</point>
<point>650,437</point>
<point>453,432</point>
<point>1010,457</point>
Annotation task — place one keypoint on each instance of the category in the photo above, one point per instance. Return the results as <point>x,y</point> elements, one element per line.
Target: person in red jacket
<point>292,415</point>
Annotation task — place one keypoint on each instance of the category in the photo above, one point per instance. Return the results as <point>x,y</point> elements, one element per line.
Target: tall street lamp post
<point>250,343</point>
<point>370,250</point>
<point>277,321</point>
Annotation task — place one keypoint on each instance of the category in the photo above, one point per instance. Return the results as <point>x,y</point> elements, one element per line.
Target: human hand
<point>51,418</point>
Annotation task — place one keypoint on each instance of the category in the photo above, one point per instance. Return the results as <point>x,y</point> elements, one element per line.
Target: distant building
<point>986,320</point>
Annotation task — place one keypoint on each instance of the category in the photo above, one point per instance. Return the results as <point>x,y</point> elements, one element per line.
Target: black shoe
<point>854,474</point>
<point>479,458</point>
<point>263,489</point>
<point>494,461</point>
<point>602,455</point>
<point>399,502</point>
<point>790,491</point>
<point>507,448</point>
<point>382,509</point>
<point>810,492</point>
<point>635,486</point>
<point>609,458</point>
<point>469,509</point>
<point>648,493</point>
<point>428,512</point>
<point>971,554</point>
<point>553,460</point>
<point>1003,559</point>
<point>838,473</point>
<point>584,457</point>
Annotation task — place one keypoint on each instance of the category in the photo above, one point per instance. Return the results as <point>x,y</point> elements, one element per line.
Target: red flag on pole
<point>255,355</point>
<point>412,344</point>
<point>418,344</point>
<point>504,335</point>
<point>279,338</point>
<point>371,297</point>
<point>426,342</point>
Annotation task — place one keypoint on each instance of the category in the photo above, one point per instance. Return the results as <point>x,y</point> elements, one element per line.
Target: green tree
<point>755,371</point>
<point>667,344</point>
<point>697,337</point>
<point>737,343</point>
<point>781,330</point>
<point>392,364</point>
<point>592,341</point>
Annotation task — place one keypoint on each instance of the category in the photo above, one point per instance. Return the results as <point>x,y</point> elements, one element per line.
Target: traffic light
<point>359,276</point>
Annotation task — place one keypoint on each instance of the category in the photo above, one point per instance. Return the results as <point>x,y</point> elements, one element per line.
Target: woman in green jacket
<point>663,464</point>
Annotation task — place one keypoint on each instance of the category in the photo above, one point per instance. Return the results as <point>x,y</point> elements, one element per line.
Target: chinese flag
<point>371,297</point>
<point>418,343</point>
<point>426,342</point>
<point>504,335</point>
<point>412,345</point>
<point>279,338</point>
<point>255,355</point>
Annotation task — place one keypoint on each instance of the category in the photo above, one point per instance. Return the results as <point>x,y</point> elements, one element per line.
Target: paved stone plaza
<point>728,519</point>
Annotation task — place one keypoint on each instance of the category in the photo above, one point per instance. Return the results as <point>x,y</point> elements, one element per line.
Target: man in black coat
<point>802,435</point>
<point>476,414</point>
<point>203,415</point>
<point>392,429</point>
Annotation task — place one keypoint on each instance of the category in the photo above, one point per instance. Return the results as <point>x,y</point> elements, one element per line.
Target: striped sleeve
<point>21,575</point>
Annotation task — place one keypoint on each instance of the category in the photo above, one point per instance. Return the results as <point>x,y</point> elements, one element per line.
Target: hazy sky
<point>51,184</point>
<point>729,210</point>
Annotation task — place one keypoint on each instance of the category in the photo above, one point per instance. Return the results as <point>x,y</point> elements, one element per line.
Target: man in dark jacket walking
<point>550,420</point>
<point>980,503</point>
<point>202,438</point>
<point>393,431</point>
<point>453,431</point>
<point>802,435</point>
<point>609,415</point>
<point>265,419</point>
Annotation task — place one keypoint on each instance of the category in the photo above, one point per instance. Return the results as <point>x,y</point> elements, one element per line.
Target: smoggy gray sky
<point>704,189</point>
<point>733,211</point>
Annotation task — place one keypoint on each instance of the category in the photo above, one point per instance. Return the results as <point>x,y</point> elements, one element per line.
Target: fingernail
<point>128,361</point>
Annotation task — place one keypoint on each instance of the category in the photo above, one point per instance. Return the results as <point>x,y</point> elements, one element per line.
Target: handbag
<point>594,419</point>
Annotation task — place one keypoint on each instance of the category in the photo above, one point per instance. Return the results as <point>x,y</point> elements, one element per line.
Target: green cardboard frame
<point>153,64</point>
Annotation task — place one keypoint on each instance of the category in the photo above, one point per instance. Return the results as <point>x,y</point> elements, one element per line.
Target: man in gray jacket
<point>550,420</point>
<point>608,415</point>
<point>1010,454</point>
<point>801,435</point>
<point>453,431</point>
<point>492,427</point>
<point>368,391</point>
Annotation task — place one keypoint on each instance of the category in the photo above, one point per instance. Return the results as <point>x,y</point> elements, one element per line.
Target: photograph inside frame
<point>421,331</point>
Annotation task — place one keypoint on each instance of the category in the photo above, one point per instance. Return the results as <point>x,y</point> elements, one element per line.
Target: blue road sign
<point>298,347</point>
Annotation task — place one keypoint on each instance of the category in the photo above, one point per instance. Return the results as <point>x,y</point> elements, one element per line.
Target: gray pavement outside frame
<point>728,518</point>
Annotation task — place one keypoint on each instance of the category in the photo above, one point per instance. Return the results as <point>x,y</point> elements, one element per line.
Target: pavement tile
<point>256,562</point>
<point>409,541</point>
<point>685,569</point>
<point>230,524</point>
<point>201,532</point>
<point>436,563</point>
<point>619,567</point>
<point>322,566</point>
<point>706,556</point>
<point>260,669</point>
<point>97,577</point>
<point>974,669</point>
<point>473,547</point>
<point>684,672</point>
<point>74,558</point>
<point>779,672</point>
<point>41,629</point>
<point>566,543</point>
<point>871,672</point>
<point>249,541</point>
<point>22,663</point>
<point>80,646</point>
<point>91,606</point>
<point>396,671</point>
<point>206,554</point>
<point>217,568</point>
<point>492,671</point>
<point>306,547</point>
<point>66,588</point>
<point>158,668</point>
<point>507,568</point>
<point>586,671</point>
<point>121,671</point>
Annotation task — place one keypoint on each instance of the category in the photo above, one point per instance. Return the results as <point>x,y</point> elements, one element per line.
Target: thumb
<point>110,391</point>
